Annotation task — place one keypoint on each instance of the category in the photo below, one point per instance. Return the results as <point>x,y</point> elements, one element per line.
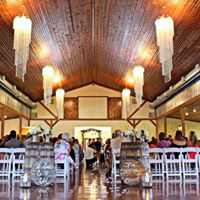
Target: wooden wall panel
<point>71,108</point>
<point>114,108</point>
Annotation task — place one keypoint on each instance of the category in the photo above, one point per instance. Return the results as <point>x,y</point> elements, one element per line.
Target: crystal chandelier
<point>138,80</point>
<point>48,74</point>
<point>125,102</point>
<point>60,93</point>
<point>22,38</point>
<point>164,35</point>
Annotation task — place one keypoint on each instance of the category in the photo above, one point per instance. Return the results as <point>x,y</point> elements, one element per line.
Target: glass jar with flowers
<point>48,133</point>
<point>129,135</point>
<point>35,132</point>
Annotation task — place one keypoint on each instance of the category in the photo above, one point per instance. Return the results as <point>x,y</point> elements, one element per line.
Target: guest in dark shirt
<point>179,141</point>
<point>13,142</point>
<point>97,145</point>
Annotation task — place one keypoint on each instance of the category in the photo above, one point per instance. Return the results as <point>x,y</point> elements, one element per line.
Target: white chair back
<point>115,163</point>
<point>172,158</point>
<point>61,163</point>
<point>189,160</point>
<point>18,155</point>
<point>5,162</point>
<point>157,162</point>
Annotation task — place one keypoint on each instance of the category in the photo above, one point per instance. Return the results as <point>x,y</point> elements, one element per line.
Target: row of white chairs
<point>175,162</point>
<point>11,162</point>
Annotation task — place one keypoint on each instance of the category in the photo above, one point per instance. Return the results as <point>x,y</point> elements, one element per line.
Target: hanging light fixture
<point>164,35</point>
<point>48,74</point>
<point>125,102</point>
<point>138,80</point>
<point>22,26</point>
<point>60,93</point>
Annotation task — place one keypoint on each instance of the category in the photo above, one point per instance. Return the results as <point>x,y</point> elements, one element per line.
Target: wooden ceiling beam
<point>136,110</point>
<point>46,108</point>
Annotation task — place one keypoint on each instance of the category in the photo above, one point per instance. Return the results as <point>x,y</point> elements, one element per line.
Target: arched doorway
<point>90,134</point>
<point>85,133</point>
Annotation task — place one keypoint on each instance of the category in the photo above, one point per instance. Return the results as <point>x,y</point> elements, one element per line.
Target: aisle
<point>89,185</point>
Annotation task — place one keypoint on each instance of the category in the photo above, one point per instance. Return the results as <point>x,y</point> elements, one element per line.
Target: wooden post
<point>157,134</point>
<point>20,126</point>
<point>165,125</point>
<point>183,121</point>
<point>29,122</point>
<point>2,122</point>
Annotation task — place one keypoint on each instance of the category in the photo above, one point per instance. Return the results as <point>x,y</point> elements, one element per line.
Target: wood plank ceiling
<point>99,41</point>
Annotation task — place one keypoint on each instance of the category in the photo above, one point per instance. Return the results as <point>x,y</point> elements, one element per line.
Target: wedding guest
<point>13,142</point>
<point>179,141</point>
<point>163,143</point>
<point>193,141</point>
<point>90,157</point>
<point>76,150</point>
<point>64,145</point>
<point>4,140</point>
<point>107,153</point>
<point>170,138</point>
<point>153,142</point>
<point>117,140</point>
<point>115,143</point>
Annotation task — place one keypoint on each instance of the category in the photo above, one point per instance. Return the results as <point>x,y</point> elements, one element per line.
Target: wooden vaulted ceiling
<point>99,41</point>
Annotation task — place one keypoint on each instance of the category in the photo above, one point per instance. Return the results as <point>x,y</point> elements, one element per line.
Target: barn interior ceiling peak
<point>99,41</point>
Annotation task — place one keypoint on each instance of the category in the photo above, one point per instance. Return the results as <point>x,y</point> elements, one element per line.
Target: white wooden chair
<point>61,165</point>
<point>189,163</point>
<point>5,162</point>
<point>115,163</point>
<point>198,158</point>
<point>172,158</point>
<point>18,155</point>
<point>156,160</point>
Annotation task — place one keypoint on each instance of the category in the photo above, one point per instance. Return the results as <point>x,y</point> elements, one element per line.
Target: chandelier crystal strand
<point>125,102</point>
<point>22,26</point>
<point>48,74</point>
<point>138,80</point>
<point>60,93</point>
<point>164,35</point>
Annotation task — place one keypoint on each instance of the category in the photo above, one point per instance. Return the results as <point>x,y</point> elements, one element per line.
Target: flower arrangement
<point>91,129</point>
<point>130,133</point>
<point>48,132</point>
<point>36,131</point>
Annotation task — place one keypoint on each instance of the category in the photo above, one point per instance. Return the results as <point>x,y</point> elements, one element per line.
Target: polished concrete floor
<point>89,185</point>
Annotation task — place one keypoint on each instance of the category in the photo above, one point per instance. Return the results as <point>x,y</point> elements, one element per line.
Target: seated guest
<point>153,142</point>
<point>97,145</point>
<point>115,143</point>
<point>107,153</point>
<point>193,141</point>
<point>179,140</point>
<point>163,142</point>
<point>13,142</point>
<point>75,147</point>
<point>90,156</point>
<point>4,140</point>
<point>64,145</point>
<point>117,140</point>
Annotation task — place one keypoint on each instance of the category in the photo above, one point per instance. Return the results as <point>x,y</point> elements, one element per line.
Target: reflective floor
<point>87,184</point>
